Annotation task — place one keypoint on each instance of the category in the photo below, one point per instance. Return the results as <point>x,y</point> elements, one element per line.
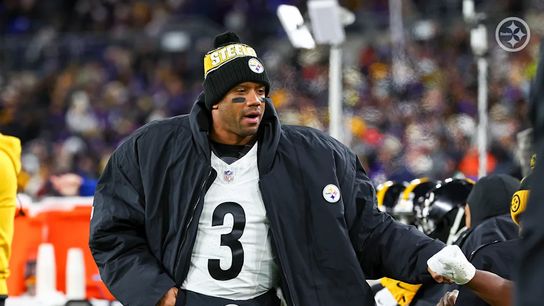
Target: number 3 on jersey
<point>231,240</point>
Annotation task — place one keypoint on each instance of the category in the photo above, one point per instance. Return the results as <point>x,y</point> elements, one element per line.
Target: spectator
<point>487,213</point>
<point>10,165</point>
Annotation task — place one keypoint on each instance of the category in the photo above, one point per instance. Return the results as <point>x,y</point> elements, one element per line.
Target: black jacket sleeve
<point>386,247</point>
<point>118,240</point>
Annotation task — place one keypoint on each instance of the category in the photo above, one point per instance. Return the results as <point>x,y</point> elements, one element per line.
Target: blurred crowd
<point>76,77</point>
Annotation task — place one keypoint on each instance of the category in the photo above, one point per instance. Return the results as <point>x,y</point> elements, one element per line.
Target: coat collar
<point>269,132</point>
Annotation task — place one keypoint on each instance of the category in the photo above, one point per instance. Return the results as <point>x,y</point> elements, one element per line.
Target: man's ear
<point>215,106</point>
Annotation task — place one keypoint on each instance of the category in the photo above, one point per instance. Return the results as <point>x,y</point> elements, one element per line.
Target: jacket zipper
<point>279,252</point>
<point>193,210</point>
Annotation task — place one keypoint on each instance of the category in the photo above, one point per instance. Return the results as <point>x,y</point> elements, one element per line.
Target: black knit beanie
<point>229,64</point>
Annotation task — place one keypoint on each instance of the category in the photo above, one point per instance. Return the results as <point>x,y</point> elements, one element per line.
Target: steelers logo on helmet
<point>443,212</point>
<point>331,193</point>
<point>255,65</point>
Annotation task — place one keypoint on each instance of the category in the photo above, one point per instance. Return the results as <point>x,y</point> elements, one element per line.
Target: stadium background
<point>76,77</point>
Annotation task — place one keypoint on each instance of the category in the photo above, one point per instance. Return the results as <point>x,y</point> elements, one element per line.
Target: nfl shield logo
<point>228,176</point>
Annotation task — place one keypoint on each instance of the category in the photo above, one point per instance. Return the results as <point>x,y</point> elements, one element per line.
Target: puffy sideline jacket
<point>150,196</point>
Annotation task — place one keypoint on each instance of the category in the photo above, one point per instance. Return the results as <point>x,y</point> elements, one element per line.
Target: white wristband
<point>450,262</point>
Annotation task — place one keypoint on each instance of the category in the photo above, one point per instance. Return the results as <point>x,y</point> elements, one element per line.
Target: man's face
<point>236,118</point>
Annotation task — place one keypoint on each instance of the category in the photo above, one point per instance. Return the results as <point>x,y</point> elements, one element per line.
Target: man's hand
<point>451,264</point>
<point>449,298</point>
<point>439,278</point>
<point>169,298</point>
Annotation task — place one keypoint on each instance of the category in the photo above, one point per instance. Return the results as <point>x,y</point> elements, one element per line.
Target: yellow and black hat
<point>520,197</point>
<point>228,64</point>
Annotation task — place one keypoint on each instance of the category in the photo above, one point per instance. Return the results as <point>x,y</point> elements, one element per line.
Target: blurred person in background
<point>487,213</point>
<point>10,165</point>
<point>226,205</point>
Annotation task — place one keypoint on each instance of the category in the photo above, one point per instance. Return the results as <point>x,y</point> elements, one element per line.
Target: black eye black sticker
<point>239,100</point>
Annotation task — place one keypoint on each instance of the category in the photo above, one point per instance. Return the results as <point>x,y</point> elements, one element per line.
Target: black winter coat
<point>150,196</point>
<point>499,228</point>
<point>499,257</point>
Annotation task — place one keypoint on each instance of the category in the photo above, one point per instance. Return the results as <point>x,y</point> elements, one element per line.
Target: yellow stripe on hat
<point>218,57</point>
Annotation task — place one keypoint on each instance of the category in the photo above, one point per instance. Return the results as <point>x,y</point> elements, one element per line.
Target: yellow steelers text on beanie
<point>228,64</point>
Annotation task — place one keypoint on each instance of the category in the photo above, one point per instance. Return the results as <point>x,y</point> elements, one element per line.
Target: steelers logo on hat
<point>331,193</point>
<point>255,65</point>
<point>516,201</point>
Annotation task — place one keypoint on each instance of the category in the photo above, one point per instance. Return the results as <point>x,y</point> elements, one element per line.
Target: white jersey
<point>232,256</point>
